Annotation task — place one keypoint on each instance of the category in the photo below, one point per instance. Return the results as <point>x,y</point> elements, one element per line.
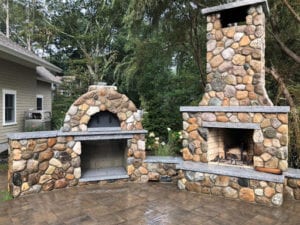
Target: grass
<point>3,167</point>
<point>4,194</point>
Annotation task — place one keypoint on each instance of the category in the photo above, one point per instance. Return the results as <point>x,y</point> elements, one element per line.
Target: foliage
<point>170,147</point>
<point>61,104</point>
<point>5,196</point>
<point>3,167</point>
<point>154,51</point>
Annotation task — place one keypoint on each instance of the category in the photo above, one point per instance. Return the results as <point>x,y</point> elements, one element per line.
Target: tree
<point>284,63</point>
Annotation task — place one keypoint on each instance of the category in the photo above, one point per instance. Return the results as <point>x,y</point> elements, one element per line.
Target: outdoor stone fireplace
<point>235,122</point>
<point>235,143</point>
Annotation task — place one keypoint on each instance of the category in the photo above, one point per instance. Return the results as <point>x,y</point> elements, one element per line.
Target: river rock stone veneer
<point>42,161</point>
<point>236,124</point>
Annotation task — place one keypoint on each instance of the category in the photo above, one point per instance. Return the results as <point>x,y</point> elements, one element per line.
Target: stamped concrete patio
<point>130,203</point>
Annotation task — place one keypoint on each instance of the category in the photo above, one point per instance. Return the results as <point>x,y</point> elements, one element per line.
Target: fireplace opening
<point>231,146</point>
<point>104,159</point>
<point>104,119</point>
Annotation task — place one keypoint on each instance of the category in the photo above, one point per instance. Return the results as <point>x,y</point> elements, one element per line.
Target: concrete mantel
<point>235,4</point>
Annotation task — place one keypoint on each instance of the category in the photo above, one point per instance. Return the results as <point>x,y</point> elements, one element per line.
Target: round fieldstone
<point>277,199</point>
<point>237,36</point>
<point>76,162</point>
<point>45,155</point>
<point>211,45</point>
<point>214,102</point>
<point>270,132</point>
<point>55,162</point>
<point>275,122</point>
<point>210,117</point>
<point>228,53</point>
<point>33,178</point>
<point>229,91</point>
<point>27,154</point>
<point>230,79</point>
<point>17,179</point>
<point>216,61</point>
<point>258,136</point>
<point>32,165</point>
<point>19,165</point>
<point>61,183</point>
<point>230,192</point>
<point>180,185</point>
<point>228,43</point>
<point>218,84</point>
<point>247,194</point>
<point>225,66</point>
<point>48,186</point>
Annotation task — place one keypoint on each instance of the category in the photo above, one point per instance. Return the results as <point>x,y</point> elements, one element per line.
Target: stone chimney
<point>236,54</point>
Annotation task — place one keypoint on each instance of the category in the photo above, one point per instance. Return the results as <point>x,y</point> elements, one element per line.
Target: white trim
<point>42,97</point>
<point>11,92</point>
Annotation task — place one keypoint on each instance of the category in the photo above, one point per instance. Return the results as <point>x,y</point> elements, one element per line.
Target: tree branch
<point>294,113</point>
<point>284,48</point>
<point>296,16</point>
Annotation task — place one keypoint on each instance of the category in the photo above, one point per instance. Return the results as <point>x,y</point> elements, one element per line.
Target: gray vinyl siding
<point>44,89</point>
<point>22,80</point>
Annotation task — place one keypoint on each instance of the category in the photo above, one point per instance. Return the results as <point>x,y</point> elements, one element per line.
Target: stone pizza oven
<point>102,139</point>
<point>235,122</point>
<point>109,128</point>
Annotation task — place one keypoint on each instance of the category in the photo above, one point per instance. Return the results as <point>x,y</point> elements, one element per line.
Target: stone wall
<point>248,190</point>
<point>270,139</point>
<point>292,188</point>
<point>152,171</point>
<point>42,161</point>
<point>43,164</point>
<point>235,61</point>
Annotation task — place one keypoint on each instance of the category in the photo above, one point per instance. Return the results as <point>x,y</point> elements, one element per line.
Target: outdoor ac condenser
<point>37,120</point>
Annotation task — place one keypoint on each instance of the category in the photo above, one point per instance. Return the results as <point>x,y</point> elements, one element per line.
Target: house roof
<point>11,51</point>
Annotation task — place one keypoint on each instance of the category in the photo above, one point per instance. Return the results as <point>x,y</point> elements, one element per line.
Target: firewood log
<point>268,170</point>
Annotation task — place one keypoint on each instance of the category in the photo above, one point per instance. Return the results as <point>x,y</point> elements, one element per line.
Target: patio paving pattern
<point>131,203</point>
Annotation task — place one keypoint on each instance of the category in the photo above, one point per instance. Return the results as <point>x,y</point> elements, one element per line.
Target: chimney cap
<point>235,4</point>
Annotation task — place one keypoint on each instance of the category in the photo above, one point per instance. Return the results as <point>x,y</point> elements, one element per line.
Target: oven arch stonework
<point>102,98</point>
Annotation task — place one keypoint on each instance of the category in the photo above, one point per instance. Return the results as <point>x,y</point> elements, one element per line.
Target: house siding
<point>44,89</point>
<point>22,80</point>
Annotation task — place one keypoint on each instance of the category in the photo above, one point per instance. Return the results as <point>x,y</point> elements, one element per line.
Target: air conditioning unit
<point>37,120</point>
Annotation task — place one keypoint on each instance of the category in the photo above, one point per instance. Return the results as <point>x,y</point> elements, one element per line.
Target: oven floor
<point>111,173</point>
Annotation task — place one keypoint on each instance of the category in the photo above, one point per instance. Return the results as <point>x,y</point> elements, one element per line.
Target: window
<point>39,102</point>
<point>9,107</point>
